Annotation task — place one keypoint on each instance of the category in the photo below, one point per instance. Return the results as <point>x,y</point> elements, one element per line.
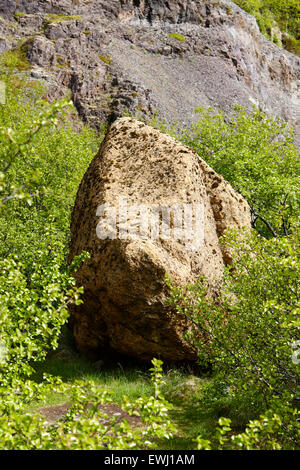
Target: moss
<point>60,59</point>
<point>291,44</point>
<point>64,65</point>
<point>19,14</point>
<point>52,18</point>
<point>61,62</point>
<point>177,36</point>
<point>86,31</point>
<point>16,58</point>
<point>106,60</point>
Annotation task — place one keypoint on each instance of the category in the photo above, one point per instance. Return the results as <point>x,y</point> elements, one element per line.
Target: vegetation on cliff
<point>278,20</point>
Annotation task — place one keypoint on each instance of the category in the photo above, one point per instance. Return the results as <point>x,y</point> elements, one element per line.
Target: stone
<point>125,292</point>
<point>98,365</point>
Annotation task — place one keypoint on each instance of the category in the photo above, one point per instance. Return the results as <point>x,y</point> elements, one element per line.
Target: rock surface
<point>153,55</point>
<point>124,280</point>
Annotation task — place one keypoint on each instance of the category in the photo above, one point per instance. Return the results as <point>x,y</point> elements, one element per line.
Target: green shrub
<point>35,290</point>
<point>269,13</point>
<point>42,160</point>
<point>265,433</point>
<point>247,332</point>
<point>35,285</point>
<point>257,155</point>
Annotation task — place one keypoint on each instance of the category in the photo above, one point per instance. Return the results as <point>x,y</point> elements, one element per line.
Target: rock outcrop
<point>147,207</point>
<point>153,55</point>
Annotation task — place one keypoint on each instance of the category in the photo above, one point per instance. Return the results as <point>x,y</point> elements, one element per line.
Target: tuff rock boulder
<point>147,207</point>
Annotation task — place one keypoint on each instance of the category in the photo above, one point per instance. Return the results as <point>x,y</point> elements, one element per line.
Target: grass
<point>182,388</point>
<point>121,381</point>
<point>19,14</point>
<point>191,420</point>
<point>15,59</point>
<point>134,381</point>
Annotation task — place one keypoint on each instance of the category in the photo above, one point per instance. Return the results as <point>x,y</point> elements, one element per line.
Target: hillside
<point>278,21</point>
<point>109,55</point>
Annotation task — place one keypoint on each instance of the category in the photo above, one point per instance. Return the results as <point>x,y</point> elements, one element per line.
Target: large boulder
<point>184,208</point>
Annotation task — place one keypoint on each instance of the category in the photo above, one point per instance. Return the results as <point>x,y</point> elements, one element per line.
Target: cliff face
<point>152,55</point>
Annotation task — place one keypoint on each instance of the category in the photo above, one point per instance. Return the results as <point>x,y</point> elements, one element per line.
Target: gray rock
<point>143,56</point>
<point>41,52</point>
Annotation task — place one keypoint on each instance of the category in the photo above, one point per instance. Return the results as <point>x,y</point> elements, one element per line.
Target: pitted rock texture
<point>116,56</point>
<point>125,291</point>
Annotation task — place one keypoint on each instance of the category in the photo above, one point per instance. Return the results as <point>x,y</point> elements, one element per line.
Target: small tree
<point>247,333</point>
<point>257,155</point>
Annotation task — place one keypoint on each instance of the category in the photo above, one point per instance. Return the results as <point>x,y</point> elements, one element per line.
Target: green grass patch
<point>15,59</point>
<point>185,390</point>
<point>179,37</point>
<point>52,18</point>
<point>182,388</point>
<point>19,14</point>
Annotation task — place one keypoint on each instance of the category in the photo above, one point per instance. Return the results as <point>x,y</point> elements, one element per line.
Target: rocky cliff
<point>152,55</point>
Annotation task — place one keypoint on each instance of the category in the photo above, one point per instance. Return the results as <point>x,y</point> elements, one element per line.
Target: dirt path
<point>55,412</point>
